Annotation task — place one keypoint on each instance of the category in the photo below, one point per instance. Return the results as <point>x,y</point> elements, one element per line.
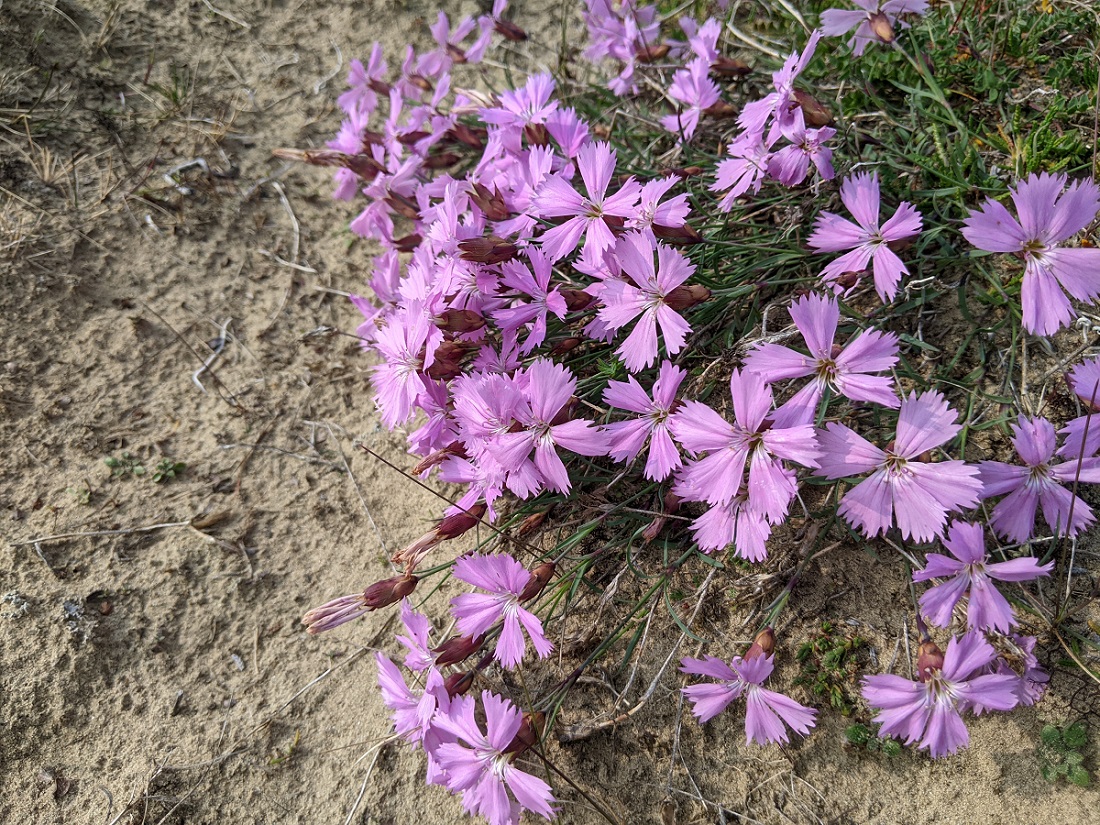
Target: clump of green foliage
<point>829,664</point>
<point>863,737</point>
<point>1060,753</point>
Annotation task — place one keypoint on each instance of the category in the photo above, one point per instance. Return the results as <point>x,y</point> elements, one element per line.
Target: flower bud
<point>540,577</point>
<point>457,649</point>
<point>537,134</point>
<point>409,243</point>
<point>730,67</point>
<point>509,31</point>
<point>880,26</point>
<point>683,171</point>
<point>489,250</point>
<point>455,448</point>
<point>847,280</point>
<point>651,54</point>
<point>762,645</point>
<point>685,234</point>
<point>459,320</point>
<point>450,527</point>
<point>364,166</point>
<point>529,733</point>
<point>929,658</point>
<point>420,82</point>
<point>568,345</point>
<point>575,299</point>
<point>653,529</point>
<point>685,297</point>
<point>458,684</point>
<point>815,113</point>
<point>403,206</point>
<point>389,591</point>
<point>411,138</point>
<point>721,109</point>
<point>474,138</point>
<point>441,161</point>
<point>533,522</point>
<point>491,203</point>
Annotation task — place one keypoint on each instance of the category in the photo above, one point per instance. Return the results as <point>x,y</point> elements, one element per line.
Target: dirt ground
<point>157,672</point>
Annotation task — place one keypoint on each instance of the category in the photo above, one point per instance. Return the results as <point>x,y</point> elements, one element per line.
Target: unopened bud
<point>721,109</point>
<point>576,299</point>
<point>685,297</point>
<point>458,684</point>
<point>455,53</point>
<point>411,138</point>
<point>730,67</point>
<point>684,171</point>
<point>459,320</point>
<point>441,161</point>
<point>509,31</point>
<point>653,529</point>
<point>685,234</point>
<point>489,250</point>
<point>364,166</point>
<point>672,503</point>
<point>455,448</point>
<point>457,649</point>
<point>448,361</point>
<point>566,412</point>
<point>450,527</point>
<point>388,591</point>
<point>537,134</point>
<point>847,280</point>
<point>880,25</point>
<point>815,113</point>
<point>568,345</point>
<point>929,658</point>
<point>409,243</point>
<point>403,206</point>
<point>651,54</point>
<point>762,645</point>
<point>540,577</point>
<point>474,138</point>
<point>491,203</point>
<point>420,82</point>
<point>456,524</point>
<point>529,733</point>
<point>533,522</point>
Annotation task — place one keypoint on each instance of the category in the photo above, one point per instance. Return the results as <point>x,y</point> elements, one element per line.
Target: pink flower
<point>480,763</point>
<point>545,301</point>
<point>549,388</point>
<point>876,16</point>
<point>1039,482</point>
<point>869,244</point>
<point>791,164</point>
<point>744,170</point>
<point>718,477</point>
<point>365,83</point>
<point>696,92</point>
<point>918,494</point>
<point>648,297</point>
<point>844,371</point>
<point>414,713</point>
<point>420,656</point>
<point>930,709</point>
<point>1047,217</point>
<point>651,212</point>
<point>587,214</point>
<point>407,344</point>
<point>1082,434</point>
<point>781,103</point>
<point>628,438</point>
<point>971,574</point>
<point>504,579</point>
<point>765,710</point>
<point>735,523</point>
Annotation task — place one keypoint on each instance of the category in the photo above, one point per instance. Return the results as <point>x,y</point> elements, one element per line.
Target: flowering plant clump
<point>556,315</point>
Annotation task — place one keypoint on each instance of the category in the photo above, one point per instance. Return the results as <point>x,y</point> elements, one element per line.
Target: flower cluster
<point>527,275</point>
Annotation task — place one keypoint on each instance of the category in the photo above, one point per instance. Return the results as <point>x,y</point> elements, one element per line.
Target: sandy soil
<point>156,672</point>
